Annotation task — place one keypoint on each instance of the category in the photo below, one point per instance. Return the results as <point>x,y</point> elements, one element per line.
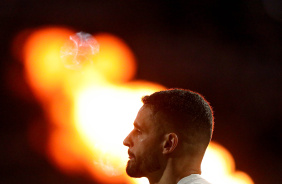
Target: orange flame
<point>91,110</point>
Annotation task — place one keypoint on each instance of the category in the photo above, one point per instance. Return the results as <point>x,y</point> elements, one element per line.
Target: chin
<point>133,170</point>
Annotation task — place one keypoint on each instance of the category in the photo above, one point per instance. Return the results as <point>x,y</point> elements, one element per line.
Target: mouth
<point>130,155</point>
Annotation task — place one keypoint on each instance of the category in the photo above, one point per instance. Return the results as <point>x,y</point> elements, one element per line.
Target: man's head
<point>171,123</point>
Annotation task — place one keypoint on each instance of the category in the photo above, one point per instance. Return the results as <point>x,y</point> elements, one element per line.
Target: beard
<point>139,167</point>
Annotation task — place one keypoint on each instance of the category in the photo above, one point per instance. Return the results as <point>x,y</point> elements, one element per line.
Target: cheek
<point>149,144</point>
<point>141,139</point>
<point>141,143</point>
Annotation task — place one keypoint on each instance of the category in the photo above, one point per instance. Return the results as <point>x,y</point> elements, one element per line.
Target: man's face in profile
<point>144,142</point>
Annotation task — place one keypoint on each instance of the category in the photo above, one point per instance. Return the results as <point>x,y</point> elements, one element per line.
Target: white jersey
<point>193,179</point>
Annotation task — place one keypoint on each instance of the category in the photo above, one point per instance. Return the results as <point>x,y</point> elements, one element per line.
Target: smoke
<point>107,166</point>
<point>79,50</point>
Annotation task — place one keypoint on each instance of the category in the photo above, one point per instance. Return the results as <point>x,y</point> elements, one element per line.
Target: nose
<point>128,141</point>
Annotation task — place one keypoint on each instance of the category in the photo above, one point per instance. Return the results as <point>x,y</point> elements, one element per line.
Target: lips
<point>130,154</point>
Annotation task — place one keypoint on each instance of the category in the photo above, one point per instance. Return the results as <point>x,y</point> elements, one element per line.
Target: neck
<point>175,170</point>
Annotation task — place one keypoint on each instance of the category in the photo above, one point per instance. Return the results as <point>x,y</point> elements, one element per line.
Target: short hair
<point>187,111</point>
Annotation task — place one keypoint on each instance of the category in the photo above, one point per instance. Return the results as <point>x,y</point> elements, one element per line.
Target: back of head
<point>186,112</point>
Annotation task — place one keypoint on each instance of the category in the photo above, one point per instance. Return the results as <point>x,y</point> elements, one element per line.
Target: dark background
<point>229,51</point>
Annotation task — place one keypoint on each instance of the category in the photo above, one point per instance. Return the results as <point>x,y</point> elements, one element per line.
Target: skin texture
<point>157,152</point>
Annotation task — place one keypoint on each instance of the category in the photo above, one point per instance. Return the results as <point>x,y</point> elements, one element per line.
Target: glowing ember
<point>92,111</point>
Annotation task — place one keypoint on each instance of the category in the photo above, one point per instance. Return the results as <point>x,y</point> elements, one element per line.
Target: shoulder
<point>193,179</point>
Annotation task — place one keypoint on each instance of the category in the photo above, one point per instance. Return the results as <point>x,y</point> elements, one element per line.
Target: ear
<point>170,143</point>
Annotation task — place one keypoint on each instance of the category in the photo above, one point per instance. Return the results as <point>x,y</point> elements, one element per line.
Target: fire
<point>90,111</point>
<point>219,167</point>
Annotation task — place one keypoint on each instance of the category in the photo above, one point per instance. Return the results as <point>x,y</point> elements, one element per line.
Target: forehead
<point>145,118</point>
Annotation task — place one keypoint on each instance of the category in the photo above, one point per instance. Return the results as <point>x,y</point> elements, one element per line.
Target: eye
<point>137,131</point>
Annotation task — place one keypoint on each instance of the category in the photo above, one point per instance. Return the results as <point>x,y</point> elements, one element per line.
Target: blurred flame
<point>91,110</point>
<point>115,61</point>
<point>219,167</point>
